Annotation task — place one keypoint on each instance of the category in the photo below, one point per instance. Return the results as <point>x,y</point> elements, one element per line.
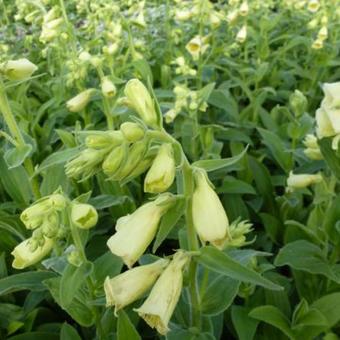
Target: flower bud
<point>32,217</point>
<point>214,19</point>
<point>135,232</point>
<point>323,33</point>
<point>51,14</point>
<point>312,150</point>
<point>313,5</point>
<point>232,16</point>
<point>210,219</point>
<point>85,56</point>
<point>317,44</point>
<point>83,215</point>
<point>131,285</point>
<point>311,142</point>
<point>298,103</point>
<point>170,116</point>
<point>241,36</point>
<point>135,155</point>
<point>79,102</point>
<point>24,257</point>
<point>104,139</point>
<point>142,166</point>
<point>244,9</point>
<point>19,69</point>
<point>85,164</point>
<point>302,180</point>
<point>183,15</point>
<point>140,100</point>
<point>74,257</point>
<point>108,88</point>
<point>132,132</point>
<point>159,306</point>
<point>162,172</point>
<point>114,160</point>
<point>50,225</point>
<point>238,230</point>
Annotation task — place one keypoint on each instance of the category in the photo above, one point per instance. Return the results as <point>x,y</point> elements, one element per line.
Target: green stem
<point>90,283</point>
<point>192,242</point>
<point>16,134</point>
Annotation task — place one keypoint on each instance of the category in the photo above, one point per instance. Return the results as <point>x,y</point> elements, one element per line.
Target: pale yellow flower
<point>131,285</point>
<point>159,306</point>
<point>24,257</point>
<point>209,217</point>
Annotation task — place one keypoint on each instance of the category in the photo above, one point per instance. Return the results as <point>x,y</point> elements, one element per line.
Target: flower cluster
<point>50,218</point>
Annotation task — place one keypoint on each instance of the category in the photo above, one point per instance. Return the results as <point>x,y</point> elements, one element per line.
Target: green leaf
<point>332,160</point>
<point>57,157</point>
<point>222,99</point>
<point>16,156</point>
<point>35,336</point>
<point>107,265</point>
<point>329,306</point>
<point>78,309</point>
<point>24,281</point>
<point>143,68</point>
<point>305,256</point>
<point>211,301</point>
<point>126,330</point>
<point>72,279</point>
<point>232,185</point>
<point>168,221</point>
<point>16,182</point>
<point>205,92</point>
<point>273,316</point>
<point>222,263</point>
<point>245,326</point>
<point>106,201</point>
<point>277,148</point>
<point>67,332</point>
<point>216,164</point>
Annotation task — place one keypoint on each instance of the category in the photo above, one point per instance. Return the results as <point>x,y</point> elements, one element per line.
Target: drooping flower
<point>83,215</point>
<point>25,256</point>
<point>79,102</point>
<point>19,69</point>
<point>299,181</point>
<point>159,306</point>
<point>135,232</point>
<point>209,217</point>
<point>131,285</point>
<point>162,172</point>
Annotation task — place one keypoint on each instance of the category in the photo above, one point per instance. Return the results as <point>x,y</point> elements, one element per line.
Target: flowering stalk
<point>90,284</point>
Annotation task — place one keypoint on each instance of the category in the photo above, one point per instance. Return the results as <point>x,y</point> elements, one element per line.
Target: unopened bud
<point>298,103</point>
<point>79,102</point>
<point>141,101</point>
<point>104,139</point>
<point>132,132</point>
<point>162,172</point>
<point>114,160</point>
<point>108,88</point>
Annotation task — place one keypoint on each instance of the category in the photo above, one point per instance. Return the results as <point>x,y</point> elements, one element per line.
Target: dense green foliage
<point>230,95</point>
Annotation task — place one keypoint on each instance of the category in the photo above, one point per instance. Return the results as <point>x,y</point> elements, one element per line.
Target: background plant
<point>224,76</point>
